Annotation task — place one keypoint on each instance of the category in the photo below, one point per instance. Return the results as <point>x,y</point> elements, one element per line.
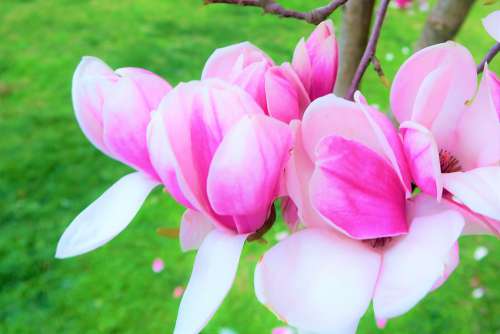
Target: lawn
<point>49,172</point>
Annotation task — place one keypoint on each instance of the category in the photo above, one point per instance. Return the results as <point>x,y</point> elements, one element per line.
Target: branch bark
<point>355,29</point>
<point>489,56</point>
<point>370,50</point>
<point>315,16</point>
<point>444,22</point>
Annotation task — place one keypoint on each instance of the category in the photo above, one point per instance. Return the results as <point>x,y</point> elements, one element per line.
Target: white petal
<point>478,189</point>
<point>194,228</point>
<point>412,265</point>
<point>106,217</point>
<point>213,274</point>
<point>492,24</point>
<point>318,280</point>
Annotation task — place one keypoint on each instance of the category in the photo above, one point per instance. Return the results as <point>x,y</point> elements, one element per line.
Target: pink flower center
<point>449,164</point>
<point>378,242</point>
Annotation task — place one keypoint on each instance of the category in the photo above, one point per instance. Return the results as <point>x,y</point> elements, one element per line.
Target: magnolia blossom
<point>451,131</point>
<point>222,157</point>
<point>365,238</point>
<point>113,110</point>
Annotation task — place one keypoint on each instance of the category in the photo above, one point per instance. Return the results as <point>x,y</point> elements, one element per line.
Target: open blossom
<point>364,238</point>
<point>221,156</point>
<point>451,131</point>
<point>492,24</point>
<point>113,110</point>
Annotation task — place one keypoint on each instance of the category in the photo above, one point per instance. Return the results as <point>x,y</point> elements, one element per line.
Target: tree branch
<point>315,16</point>
<point>378,68</point>
<point>370,49</point>
<point>489,56</point>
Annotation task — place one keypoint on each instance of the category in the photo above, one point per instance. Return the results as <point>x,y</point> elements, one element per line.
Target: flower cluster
<point>375,210</point>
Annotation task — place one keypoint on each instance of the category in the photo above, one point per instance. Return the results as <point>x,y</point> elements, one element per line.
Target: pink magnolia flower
<point>113,110</point>
<point>364,238</point>
<point>403,3</point>
<point>316,60</point>
<point>451,133</point>
<point>221,156</point>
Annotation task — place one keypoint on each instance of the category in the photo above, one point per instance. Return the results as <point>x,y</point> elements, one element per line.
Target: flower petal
<point>222,62</point>
<point>449,266</point>
<point>302,63</point>
<point>213,275</point>
<point>423,158</point>
<point>152,86</point>
<point>106,217</point>
<point>91,82</point>
<point>478,189</point>
<point>195,226</point>
<point>413,72</point>
<point>413,263</point>
<point>196,117</point>
<point>245,171</point>
<point>477,136</point>
<point>318,280</point>
<point>126,116</point>
<point>492,24</point>
<point>357,191</point>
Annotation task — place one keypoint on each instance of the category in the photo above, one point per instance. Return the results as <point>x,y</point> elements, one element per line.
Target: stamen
<point>378,242</point>
<point>449,164</point>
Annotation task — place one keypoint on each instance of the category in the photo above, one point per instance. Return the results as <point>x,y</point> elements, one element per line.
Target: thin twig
<point>378,68</point>
<point>370,49</point>
<point>489,56</point>
<point>315,16</point>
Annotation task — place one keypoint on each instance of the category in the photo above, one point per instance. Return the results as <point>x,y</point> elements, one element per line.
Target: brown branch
<point>370,49</point>
<point>257,235</point>
<point>378,68</point>
<point>489,57</point>
<point>315,16</point>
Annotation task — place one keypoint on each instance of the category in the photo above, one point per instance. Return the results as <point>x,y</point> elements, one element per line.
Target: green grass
<point>49,172</point>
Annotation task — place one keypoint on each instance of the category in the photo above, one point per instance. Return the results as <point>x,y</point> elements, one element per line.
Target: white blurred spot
<point>281,235</point>
<point>480,253</point>
<point>226,330</point>
<point>405,50</point>
<point>389,56</point>
<point>478,293</point>
<point>376,106</point>
<point>424,6</point>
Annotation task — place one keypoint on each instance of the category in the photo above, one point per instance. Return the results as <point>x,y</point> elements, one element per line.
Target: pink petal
<point>475,224</point>
<point>245,171</point>
<point>223,61</point>
<point>301,63</point>
<point>91,81</point>
<point>290,213</point>
<point>317,280</point>
<point>152,86</point>
<point>126,116</point>
<point>158,265</point>
<point>195,226</point>
<point>477,136</point>
<point>389,140</point>
<point>298,173</point>
<point>282,100</point>
<point>413,263</point>
<point>106,217</point>
<point>252,80</point>
<point>492,24</point>
<point>423,158</point>
<point>324,65</point>
<point>357,191</point>
<point>163,159</point>
<point>213,275</point>
<point>285,94</point>
<point>331,115</point>
<point>478,189</point>
<point>197,115</point>
<point>414,71</point>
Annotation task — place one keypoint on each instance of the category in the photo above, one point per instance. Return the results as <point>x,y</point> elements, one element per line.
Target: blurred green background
<point>49,172</point>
